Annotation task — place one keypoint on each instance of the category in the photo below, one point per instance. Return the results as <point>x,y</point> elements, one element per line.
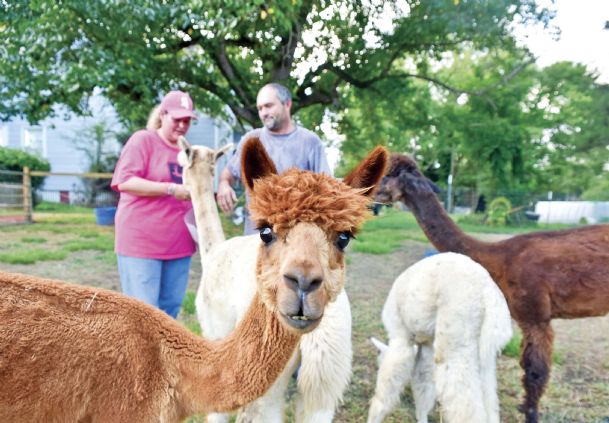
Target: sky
<point>582,35</point>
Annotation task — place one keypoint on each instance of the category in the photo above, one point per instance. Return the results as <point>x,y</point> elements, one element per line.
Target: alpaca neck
<point>209,227</point>
<point>224,375</point>
<point>440,229</point>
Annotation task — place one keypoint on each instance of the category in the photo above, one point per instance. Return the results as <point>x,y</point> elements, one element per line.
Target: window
<point>3,135</point>
<point>33,140</point>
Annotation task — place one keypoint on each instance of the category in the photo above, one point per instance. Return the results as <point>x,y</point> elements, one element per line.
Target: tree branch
<point>283,66</point>
<point>232,78</point>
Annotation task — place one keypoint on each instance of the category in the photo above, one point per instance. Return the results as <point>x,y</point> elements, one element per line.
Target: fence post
<point>27,194</point>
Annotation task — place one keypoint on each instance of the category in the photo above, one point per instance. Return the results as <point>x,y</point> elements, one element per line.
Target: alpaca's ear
<point>224,149</point>
<point>183,144</point>
<point>185,156</point>
<point>382,347</point>
<point>255,163</point>
<point>370,171</point>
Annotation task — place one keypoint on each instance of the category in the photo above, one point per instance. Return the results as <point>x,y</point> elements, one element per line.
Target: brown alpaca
<point>543,275</point>
<point>73,353</point>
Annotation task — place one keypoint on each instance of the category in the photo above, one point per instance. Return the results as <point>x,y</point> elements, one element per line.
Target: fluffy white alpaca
<point>324,355</point>
<point>446,321</point>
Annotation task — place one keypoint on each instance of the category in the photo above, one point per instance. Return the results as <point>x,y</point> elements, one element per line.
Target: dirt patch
<point>83,267</point>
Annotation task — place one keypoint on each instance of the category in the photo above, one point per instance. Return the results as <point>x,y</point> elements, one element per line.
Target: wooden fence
<point>19,196</point>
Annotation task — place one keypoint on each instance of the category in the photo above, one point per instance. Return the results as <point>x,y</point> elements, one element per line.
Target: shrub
<point>16,160</point>
<point>498,211</point>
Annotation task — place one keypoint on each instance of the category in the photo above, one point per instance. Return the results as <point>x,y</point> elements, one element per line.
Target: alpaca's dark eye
<point>266,234</point>
<point>343,240</point>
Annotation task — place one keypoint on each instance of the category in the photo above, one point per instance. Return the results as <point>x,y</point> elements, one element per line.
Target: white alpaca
<point>228,286</point>
<point>446,321</point>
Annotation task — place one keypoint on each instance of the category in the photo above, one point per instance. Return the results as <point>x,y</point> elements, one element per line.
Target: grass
<point>33,240</point>
<point>188,305</point>
<point>384,234</point>
<point>46,206</point>
<point>55,235</point>
<point>512,349</point>
<point>188,316</point>
<point>31,256</point>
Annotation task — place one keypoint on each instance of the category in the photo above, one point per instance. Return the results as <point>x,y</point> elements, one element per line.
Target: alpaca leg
<point>325,365</point>
<point>536,361</point>
<point>457,364</point>
<point>459,387</point>
<point>394,372</point>
<point>312,416</point>
<point>423,389</point>
<point>217,418</point>
<point>488,375</point>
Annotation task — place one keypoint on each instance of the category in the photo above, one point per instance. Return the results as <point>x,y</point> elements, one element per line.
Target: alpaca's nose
<point>303,281</point>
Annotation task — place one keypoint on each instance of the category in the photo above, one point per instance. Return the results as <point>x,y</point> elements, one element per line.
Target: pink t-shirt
<point>150,227</point>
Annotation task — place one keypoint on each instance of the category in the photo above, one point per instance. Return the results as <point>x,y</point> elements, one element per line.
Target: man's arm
<point>226,196</point>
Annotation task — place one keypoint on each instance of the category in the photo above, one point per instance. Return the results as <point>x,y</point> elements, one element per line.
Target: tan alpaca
<point>70,353</point>
<point>227,287</point>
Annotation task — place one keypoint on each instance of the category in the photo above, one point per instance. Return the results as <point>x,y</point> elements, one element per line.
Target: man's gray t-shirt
<point>300,148</point>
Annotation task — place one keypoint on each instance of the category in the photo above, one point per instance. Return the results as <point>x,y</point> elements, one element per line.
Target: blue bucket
<point>105,215</point>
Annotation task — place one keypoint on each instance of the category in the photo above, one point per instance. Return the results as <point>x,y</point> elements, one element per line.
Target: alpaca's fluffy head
<point>282,201</point>
<point>403,180</point>
<point>305,221</point>
<point>198,162</point>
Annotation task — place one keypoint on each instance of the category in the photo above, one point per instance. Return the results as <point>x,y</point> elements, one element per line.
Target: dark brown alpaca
<point>543,275</point>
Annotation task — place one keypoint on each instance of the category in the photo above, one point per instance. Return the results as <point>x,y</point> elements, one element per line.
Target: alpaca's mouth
<point>301,322</point>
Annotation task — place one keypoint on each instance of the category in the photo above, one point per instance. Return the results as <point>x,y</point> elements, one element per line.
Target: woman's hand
<point>145,188</point>
<point>181,192</point>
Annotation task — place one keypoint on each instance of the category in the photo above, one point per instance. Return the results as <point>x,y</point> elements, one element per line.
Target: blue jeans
<point>161,283</point>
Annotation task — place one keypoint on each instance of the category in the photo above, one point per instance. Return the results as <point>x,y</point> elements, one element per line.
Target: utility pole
<point>449,193</point>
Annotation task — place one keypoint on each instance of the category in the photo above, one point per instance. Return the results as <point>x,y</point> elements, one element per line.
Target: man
<point>288,145</point>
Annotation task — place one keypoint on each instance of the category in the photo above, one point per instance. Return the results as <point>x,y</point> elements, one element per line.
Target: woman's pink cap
<point>178,104</point>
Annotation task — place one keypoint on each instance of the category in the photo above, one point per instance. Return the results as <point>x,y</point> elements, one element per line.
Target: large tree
<point>526,130</point>
<point>59,51</point>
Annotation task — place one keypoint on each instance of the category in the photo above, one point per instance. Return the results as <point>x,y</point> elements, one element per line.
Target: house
<point>58,139</point>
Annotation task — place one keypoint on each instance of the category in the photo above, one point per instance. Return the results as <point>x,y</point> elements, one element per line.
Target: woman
<point>153,245</point>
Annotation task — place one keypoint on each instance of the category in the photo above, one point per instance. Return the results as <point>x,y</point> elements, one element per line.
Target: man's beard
<point>271,123</point>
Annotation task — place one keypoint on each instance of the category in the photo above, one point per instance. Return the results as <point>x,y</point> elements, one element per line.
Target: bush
<point>498,211</point>
<point>598,189</point>
<point>16,160</point>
